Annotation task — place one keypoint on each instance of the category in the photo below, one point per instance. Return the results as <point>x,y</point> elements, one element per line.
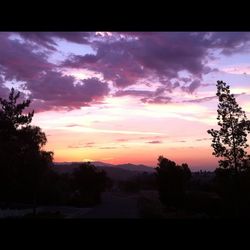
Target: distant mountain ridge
<point>116,172</point>
<point>133,167</point>
<point>128,166</point>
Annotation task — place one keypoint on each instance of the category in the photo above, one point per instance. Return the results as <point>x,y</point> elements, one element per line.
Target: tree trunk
<point>234,147</point>
<point>236,199</point>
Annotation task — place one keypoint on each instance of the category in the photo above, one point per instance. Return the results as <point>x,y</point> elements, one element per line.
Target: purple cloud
<point>4,91</point>
<point>61,91</point>
<point>157,100</point>
<point>134,93</point>
<point>208,98</point>
<point>125,61</point>
<point>204,99</point>
<point>192,87</point>
<point>46,39</point>
<point>49,88</point>
<point>20,61</point>
<point>132,56</point>
<point>123,58</point>
<point>148,96</point>
<point>230,42</point>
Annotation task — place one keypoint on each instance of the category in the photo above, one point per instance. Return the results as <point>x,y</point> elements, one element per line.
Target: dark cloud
<point>132,56</point>
<point>230,42</point>
<point>243,93</point>
<point>134,93</point>
<point>72,125</point>
<point>47,39</point>
<point>85,145</point>
<point>159,92</point>
<point>122,140</point>
<point>156,96</point>
<point>149,137</point>
<point>125,61</point>
<point>4,91</point>
<point>89,144</point>
<point>208,98</point>
<point>125,58</point>
<point>154,142</point>
<point>192,87</point>
<point>49,88</point>
<point>20,61</point>
<point>204,99</point>
<point>152,138</point>
<point>107,147</point>
<point>203,139</point>
<point>57,90</point>
<point>75,146</point>
<point>157,100</point>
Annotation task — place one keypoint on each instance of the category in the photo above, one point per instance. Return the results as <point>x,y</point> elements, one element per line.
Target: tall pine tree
<point>230,141</point>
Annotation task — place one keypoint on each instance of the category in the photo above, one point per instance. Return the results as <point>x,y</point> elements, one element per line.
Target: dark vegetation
<point>143,181</point>
<point>28,177</point>
<point>227,193</point>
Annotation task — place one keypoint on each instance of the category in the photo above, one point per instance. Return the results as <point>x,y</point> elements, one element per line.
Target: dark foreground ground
<point>114,205</point>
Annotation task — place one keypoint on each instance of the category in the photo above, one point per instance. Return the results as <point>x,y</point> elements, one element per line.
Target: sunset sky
<point>126,97</point>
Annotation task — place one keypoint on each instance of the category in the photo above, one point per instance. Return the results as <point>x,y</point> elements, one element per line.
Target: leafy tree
<point>11,113</point>
<point>55,189</point>
<point>88,183</point>
<point>23,162</point>
<point>11,119</point>
<point>171,180</point>
<point>230,141</point>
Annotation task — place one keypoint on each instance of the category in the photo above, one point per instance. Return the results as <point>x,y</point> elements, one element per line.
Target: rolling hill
<point>117,172</point>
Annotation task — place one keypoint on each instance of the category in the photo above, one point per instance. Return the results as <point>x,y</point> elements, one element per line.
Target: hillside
<point>116,172</point>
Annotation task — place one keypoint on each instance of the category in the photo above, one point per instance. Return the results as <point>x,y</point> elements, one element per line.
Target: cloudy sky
<point>124,97</point>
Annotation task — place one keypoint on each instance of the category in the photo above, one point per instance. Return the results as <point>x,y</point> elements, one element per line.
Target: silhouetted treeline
<point>23,162</point>
<point>27,175</point>
<point>143,181</point>
<point>229,144</point>
<point>29,178</point>
<point>234,191</point>
<point>172,180</point>
<point>227,193</point>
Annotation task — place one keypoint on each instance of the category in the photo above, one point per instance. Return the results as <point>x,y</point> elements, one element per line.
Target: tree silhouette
<point>230,141</point>
<point>171,180</point>
<point>23,162</point>
<point>88,183</point>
